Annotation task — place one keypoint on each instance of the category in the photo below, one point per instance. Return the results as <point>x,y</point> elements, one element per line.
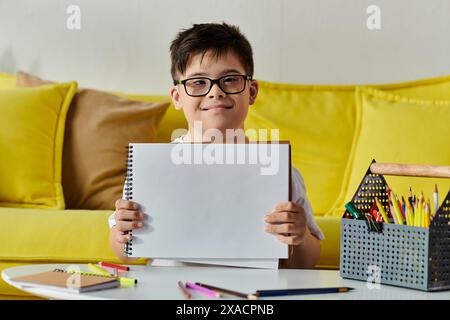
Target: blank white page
<point>208,209</point>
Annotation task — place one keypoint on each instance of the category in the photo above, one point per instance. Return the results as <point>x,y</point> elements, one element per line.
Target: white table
<point>161,283</point>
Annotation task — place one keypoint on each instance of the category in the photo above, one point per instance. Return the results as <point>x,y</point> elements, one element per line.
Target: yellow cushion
<point>320,121</point>
<point>32,134</point>
<point>172,120</point>
<point>7,81</point>
<point>398,129</point>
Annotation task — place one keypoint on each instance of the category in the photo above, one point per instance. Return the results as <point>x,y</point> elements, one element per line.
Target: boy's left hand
<point>288,221</point>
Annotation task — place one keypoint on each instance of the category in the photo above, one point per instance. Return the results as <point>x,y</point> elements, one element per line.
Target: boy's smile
<point>217,109</point>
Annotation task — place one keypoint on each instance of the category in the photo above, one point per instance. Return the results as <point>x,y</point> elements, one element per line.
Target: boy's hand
<point>288,221</point>
<point>127,217</point>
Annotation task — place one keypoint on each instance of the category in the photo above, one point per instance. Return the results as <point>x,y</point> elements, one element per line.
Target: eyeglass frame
<point>213,81</point>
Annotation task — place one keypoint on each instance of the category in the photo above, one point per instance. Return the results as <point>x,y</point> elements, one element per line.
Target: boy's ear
<point>254,87</point>
<point>175,95</point>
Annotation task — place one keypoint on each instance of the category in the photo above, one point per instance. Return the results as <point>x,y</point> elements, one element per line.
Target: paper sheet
<point>208,210</point>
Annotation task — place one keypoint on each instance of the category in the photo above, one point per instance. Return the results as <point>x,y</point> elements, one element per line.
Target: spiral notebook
<point>201,207</point>
<point>68,281</point>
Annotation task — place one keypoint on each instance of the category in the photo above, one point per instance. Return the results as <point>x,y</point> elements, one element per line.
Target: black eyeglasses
<point>230,84</point>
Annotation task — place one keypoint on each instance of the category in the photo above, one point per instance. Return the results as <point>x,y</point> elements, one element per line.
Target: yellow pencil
<point>416,213</point>
<point>96,269</point>
<point>397,209</point>
<point>420,219</point>
<point>409,214</point>
<point>427,214</point>
<point>381,210</point>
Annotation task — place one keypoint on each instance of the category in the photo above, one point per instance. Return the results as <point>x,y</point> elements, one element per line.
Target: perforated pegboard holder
<point>400,255</point>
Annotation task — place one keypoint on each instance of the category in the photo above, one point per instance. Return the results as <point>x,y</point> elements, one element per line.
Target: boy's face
<point>217,109</point>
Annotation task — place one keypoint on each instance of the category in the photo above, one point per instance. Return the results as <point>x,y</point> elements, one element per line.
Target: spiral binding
<point>84,273</point>
<point>128,250</point>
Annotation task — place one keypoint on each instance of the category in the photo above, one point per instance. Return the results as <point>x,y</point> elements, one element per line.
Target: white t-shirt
<point>298,196</point>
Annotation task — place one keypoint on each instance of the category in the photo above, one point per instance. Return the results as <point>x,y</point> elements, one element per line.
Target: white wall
<point>123,45</point>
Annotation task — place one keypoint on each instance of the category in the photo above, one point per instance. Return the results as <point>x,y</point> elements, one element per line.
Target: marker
<point>354,211</point>
<point>127,282</point>
<point>113,265</point>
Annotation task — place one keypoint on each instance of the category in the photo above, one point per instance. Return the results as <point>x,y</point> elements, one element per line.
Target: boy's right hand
<point>128,217</point>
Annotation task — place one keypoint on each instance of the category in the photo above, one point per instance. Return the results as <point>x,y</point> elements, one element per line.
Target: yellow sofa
<point>318,120</point>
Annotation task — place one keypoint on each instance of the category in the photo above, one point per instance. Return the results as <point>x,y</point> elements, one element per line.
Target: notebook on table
<point>206,202</point>
<point>68,281</point>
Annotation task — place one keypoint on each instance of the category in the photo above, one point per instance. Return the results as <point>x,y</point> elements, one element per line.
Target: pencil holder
<point>394,254</point>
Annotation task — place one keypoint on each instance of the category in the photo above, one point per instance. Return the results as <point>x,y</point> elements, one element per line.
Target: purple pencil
<point>203,290</point>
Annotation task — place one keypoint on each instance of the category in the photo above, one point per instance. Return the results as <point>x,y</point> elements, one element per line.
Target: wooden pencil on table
<point>183,289</point>
<point>288,292</point>
<point>227,291</point>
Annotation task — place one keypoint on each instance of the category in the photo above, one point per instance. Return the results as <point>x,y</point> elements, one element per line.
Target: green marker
<point>354,211</point>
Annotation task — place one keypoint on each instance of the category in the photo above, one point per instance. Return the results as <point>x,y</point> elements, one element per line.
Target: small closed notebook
<point>68,281</point>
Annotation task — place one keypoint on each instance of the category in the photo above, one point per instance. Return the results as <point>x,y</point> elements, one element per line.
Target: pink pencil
<point>203,290</point>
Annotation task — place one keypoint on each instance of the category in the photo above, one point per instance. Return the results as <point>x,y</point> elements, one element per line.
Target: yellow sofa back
<point>319,120</point>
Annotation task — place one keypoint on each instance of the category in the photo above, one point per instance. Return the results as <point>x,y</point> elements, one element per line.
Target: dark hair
<point>220,38</point>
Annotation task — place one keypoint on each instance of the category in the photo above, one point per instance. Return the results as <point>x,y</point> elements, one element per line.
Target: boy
<point>212,69</point>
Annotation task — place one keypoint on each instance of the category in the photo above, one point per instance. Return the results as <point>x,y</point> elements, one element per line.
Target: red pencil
<point>112,265</point>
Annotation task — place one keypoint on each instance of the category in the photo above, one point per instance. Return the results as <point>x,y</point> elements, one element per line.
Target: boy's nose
<point>216,91</point>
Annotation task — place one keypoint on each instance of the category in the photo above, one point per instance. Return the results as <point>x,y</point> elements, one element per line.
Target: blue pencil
<point>288,292</point>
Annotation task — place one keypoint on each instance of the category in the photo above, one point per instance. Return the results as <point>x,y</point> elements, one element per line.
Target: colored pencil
<point>113,265</point>
<point>227,291</point>
<point>183,289</point>
<point>202,290</point>
<point>287,292</point>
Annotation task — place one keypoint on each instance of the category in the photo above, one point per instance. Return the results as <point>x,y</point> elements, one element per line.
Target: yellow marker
<point>98,270</point>
<point>127,282</point>
<point>397,210</point>
<point>381,210</point>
